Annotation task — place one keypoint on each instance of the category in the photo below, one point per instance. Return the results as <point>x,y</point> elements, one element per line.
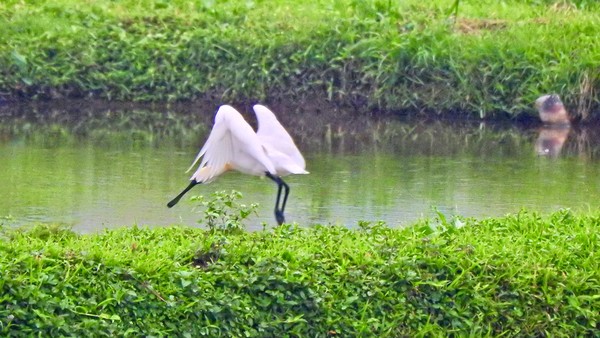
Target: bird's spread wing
<point>283,164</point>
<point>272,133</point>
<point>218,132</point>
<point>216,152</point>
<point>231,134</point>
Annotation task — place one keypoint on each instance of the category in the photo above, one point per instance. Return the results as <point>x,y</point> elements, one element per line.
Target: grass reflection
<point>100,166</point>
<point>128,126</point>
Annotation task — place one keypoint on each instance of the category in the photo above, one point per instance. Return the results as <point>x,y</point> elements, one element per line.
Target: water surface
<point>104,167</point>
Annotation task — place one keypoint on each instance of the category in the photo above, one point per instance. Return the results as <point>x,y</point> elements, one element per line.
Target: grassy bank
<point>493,58</point>
<point>521,275</point>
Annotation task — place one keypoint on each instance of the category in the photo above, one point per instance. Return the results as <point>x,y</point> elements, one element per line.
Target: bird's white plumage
<point>233,144</point>
<point>279,146</point>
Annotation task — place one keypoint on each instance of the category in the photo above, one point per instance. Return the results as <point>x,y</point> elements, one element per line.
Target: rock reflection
<point>93,163</point>
<point>550,140</point>
<point>337,132</point>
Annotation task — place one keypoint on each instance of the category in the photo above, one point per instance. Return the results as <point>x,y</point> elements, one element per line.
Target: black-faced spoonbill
<point>233,145</point>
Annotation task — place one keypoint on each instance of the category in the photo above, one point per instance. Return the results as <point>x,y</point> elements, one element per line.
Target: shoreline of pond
<point>367,57</point>
<point>312,106</point>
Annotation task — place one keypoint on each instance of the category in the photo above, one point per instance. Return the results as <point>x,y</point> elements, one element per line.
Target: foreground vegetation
<point>482,57</point>
<point>520,275</point>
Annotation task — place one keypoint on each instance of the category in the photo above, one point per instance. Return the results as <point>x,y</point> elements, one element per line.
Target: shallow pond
<point>108,166</point>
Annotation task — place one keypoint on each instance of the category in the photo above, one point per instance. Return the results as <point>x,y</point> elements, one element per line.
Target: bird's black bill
<point>178,197</point>
<point>279,217</point>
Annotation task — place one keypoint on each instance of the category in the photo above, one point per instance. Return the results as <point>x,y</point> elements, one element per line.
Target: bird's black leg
<point>178,197</point>
<point>280,184</point>
<point>287,192</point>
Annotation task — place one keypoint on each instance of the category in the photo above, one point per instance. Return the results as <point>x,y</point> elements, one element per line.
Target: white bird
<point>233,145</point>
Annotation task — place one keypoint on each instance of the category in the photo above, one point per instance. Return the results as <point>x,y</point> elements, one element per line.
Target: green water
<point>105,167</point>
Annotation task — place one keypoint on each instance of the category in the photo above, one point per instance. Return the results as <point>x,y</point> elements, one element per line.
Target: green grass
<point>494,59</point>
<point>519,275</point>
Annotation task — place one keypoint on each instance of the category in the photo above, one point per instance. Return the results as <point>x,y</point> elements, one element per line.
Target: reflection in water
<point>104,166</point>
<point>556,128</point>
<point>551,140</point>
